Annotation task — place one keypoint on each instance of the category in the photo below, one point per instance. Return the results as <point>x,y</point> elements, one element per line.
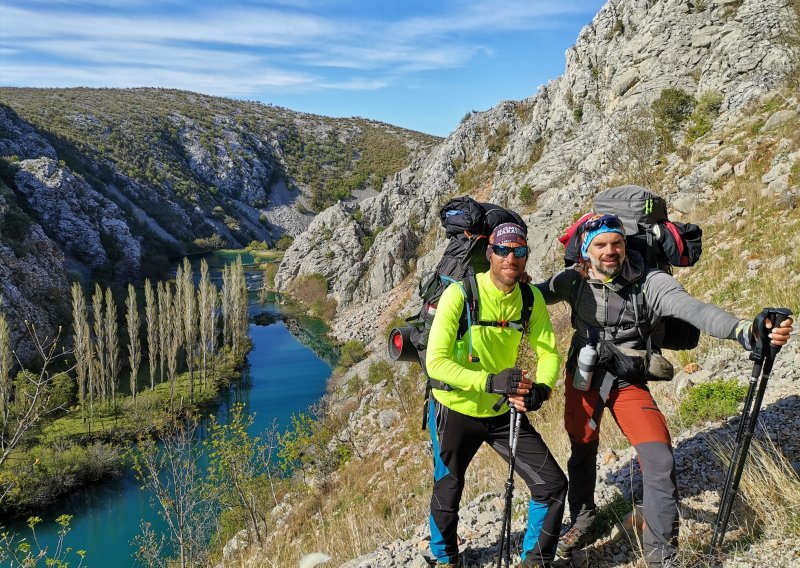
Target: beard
<point>606,270</point>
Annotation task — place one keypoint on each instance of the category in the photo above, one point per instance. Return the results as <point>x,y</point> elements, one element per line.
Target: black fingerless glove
<point>505,382</point>
<point>535,399</point>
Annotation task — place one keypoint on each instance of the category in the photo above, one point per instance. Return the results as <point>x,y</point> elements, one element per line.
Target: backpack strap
<point>469,317</point>
<point>577,291</point>
<point>523,322</point>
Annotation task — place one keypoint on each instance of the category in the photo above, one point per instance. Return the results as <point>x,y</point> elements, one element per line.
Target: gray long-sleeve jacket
<point>608,307</point>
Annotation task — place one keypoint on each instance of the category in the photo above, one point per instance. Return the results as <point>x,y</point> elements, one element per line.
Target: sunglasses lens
<point>610,221</point>
<point>503,251</point>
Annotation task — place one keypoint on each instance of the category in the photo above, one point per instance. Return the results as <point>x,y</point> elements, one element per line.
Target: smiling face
<point>505,271</point>
<point>606,253</point>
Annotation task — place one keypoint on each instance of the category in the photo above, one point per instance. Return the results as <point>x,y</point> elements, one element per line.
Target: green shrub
<point>672,108</point>
<point>380,371</point>
<point>352,352</point>
<point>15,225</point>
<point>354,385</point>
<point>611,513</point>
<point>284,242</point>
<point>577,114</point>
<point>705,112</point>
<point>711,401</point>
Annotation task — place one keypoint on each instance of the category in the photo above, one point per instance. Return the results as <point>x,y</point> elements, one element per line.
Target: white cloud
<point>200,46</point>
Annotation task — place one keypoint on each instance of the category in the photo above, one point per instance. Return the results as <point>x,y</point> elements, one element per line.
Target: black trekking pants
<point>456,438</point>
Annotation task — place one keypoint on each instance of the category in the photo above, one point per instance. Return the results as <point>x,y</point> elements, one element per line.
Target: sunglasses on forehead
<point>502,250</point>
<point>610,221</point>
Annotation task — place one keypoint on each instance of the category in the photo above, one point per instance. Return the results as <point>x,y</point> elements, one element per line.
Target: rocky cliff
<point>110,185</point>
<point>546,155</point>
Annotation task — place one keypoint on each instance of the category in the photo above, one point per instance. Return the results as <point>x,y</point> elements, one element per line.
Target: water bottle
<point>587,357</point>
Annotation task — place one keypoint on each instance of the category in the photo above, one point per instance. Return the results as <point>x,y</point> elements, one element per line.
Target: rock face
<point>78,218</point>
<point>110,184</point>
<point>559,145</point>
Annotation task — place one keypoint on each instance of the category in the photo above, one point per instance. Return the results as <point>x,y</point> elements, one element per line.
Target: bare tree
<point>112,345</point>
<point>99,342</point>
<point>173,340</point>
<point>236,467</point>
<point>83,344</point>
<point>234,296</point>
<point>189,314</point>
<point>170,471</point>
<point>227,306</point>
<point>632,155</point>
<point>151,317</point>
<point>134,345</point>
<point>6,361</point>
<point>164,302</point>
<point>32,394</point>
<point>207,308</point>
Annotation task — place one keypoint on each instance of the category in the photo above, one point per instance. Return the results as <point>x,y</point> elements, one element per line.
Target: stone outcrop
<point>78,218</point>
<point>559,143</point>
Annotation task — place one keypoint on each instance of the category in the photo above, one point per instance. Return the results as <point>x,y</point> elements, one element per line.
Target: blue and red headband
<point>598,225</point>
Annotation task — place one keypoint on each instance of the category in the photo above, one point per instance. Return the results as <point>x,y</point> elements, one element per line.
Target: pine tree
<point>83,346</point>
<point>134,345</point>
<point>151,317</point>
<point>100,372</point>
<point>112,345</point>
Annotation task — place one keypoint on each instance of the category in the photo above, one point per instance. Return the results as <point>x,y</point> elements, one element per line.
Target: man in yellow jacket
<point>475,372</point>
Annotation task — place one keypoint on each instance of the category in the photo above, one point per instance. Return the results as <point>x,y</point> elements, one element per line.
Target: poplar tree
<point>163,326</point>
<point>177,321</point>
<point>207,308</point>
<point>99,343</point>
<point>173,340</point>
<point>189,313</point>
<point>134,345</point>
<point>83,345</point>
<point>151,317</point>
<point>227,307</point>
<point>241,320</point>
<point>112,343</point>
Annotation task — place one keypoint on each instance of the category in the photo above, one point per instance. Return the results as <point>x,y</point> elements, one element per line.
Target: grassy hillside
<point>202,151</point>
<point>377,495</point>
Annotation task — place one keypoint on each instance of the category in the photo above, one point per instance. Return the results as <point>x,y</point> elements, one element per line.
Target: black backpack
<point>661,243</point>
<point>467,224</point>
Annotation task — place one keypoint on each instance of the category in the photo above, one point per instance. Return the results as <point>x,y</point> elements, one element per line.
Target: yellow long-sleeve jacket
<point>496,347</point>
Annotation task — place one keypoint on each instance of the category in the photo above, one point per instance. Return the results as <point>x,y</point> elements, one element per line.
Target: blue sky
<point>417,64</point>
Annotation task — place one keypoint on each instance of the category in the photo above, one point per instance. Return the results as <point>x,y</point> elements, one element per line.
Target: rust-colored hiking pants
<point>640,420</point>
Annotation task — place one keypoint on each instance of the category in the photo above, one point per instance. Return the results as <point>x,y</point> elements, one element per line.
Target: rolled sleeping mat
<point>400,346</point>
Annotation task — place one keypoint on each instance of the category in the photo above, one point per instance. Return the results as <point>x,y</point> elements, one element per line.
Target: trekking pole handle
<point>777,316</point>
<point>762,345</point>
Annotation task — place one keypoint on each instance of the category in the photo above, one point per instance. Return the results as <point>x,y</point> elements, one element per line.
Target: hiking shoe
<point>579,534</point>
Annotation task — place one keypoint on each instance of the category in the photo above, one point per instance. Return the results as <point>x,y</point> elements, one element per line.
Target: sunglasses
<point>502,250</point>
<point>610,221</point>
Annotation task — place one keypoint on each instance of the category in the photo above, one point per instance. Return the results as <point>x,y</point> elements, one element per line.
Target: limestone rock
<point>77,217</point>
<point>778,119</point>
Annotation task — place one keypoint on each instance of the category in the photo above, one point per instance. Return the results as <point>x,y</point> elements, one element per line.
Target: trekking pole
<point>763,357</point>
<point>504,547</point>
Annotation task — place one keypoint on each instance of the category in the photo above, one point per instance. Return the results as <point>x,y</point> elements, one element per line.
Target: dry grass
<point>364,504</point>
<point>769,491</point>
